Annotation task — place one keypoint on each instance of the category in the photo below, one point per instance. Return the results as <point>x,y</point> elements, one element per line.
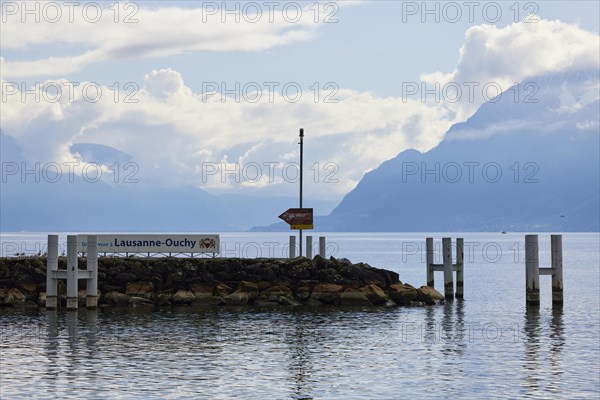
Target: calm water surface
<point>489,345</point>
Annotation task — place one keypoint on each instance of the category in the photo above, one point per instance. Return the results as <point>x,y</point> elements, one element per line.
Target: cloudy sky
<point>212,94</point>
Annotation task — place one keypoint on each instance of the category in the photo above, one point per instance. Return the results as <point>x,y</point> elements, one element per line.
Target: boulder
<point>368,275</point>
<point>276,291</point>
<point>124,278</point>
<point>29,290</point>
<point>262,285</point>
<point>13,297</point>
<point>135,301</point>
<point>139,270</point>
<point>222,290</point>
<point>41,301</point>
<point>303,292</point>
<point>115,298</point>
<point>375,294</point>
<point>402,294</point>
<point>289,301</point>
<point>250,288</point>
<point>353,297</point>
<point>204,294</point>
<point>163,298</point>
<point>342,261</point>
<point>429,295</point>
<point>183,296</point>
<point>327,293</point>
<point>280,295</point>
<point>236,299</point>
<point>175,278</point>
<point>140,289</point>
<point>319,262</point>
<point>202,289</point>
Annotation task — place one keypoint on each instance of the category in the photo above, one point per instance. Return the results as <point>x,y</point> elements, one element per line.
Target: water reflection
<point>532,348</point>
<point>541,346</point>
<point>179,352</point>
<point>451,331</point>
<point>51,350</point>
<point>448,332</point>
<point>300,364</point>
<point>460,327</point>
<point>557,342</point>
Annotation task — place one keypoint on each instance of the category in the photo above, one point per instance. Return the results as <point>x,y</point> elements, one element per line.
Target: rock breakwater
<point>147,282</point>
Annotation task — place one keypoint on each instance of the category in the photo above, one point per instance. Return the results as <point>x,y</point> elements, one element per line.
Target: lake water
<point>489,345</point>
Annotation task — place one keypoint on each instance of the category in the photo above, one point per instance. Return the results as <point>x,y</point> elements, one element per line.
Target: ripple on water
<point>181,352</point>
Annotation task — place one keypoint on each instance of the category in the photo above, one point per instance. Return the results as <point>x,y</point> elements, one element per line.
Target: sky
<point>212,94</point>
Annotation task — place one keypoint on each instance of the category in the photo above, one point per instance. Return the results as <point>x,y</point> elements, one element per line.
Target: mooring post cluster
<point>72,274</point>
<point>447,267</point>
<point>533,270</point>
<point>309,244</point>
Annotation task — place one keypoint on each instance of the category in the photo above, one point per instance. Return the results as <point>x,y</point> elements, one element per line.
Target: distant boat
<point>503,232</point>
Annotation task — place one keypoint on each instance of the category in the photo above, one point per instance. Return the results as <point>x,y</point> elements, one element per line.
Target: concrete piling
<point>448,278</point>
<point>72,269</point>
<point>322,246</point>
<point>429,255</point>
<point>91,300</point>
<point>292,246</point>
<point>51,271</point>
<point>460,262</point>
<point>309,248</point>
<point>532,270</point>
<point>557,269</point>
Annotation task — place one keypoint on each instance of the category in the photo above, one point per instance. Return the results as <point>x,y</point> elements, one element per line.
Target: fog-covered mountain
<point>513,165</point>
<point>528,160</point>
<point>43,202</point>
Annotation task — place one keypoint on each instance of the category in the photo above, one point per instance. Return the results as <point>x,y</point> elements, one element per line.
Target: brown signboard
<point>298,218</point>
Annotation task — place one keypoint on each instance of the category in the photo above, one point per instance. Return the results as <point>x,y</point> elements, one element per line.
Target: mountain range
<point>530,163</point>
<point>518,164</point>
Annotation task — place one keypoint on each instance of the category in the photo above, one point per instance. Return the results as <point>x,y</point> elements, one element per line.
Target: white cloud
<point>500,57</point>
<point>173,132</point>
<point>158,32</point>
<point>165,83</point>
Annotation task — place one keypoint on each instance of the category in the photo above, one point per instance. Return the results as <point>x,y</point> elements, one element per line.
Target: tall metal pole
<point>301,169</point>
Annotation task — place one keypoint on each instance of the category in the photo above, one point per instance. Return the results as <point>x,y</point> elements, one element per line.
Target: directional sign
<point>298,218</point>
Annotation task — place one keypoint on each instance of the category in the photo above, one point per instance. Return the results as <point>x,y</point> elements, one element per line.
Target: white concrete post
<point>460,267</point>
<point>557,269</point>
<point>51,266</point>
<point>532,270</point>
<point>309,247</point>
<point>91,300</point>
<point>322,246</point>
<point>429,261</point>
<point>292,246</point>
<point>448,279</point>
<point>72,300</point>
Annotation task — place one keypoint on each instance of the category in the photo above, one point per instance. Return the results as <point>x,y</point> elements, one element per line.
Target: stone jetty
<point>147,282</point>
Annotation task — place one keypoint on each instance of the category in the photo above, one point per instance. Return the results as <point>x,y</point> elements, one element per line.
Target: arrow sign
<point>298,218</point>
